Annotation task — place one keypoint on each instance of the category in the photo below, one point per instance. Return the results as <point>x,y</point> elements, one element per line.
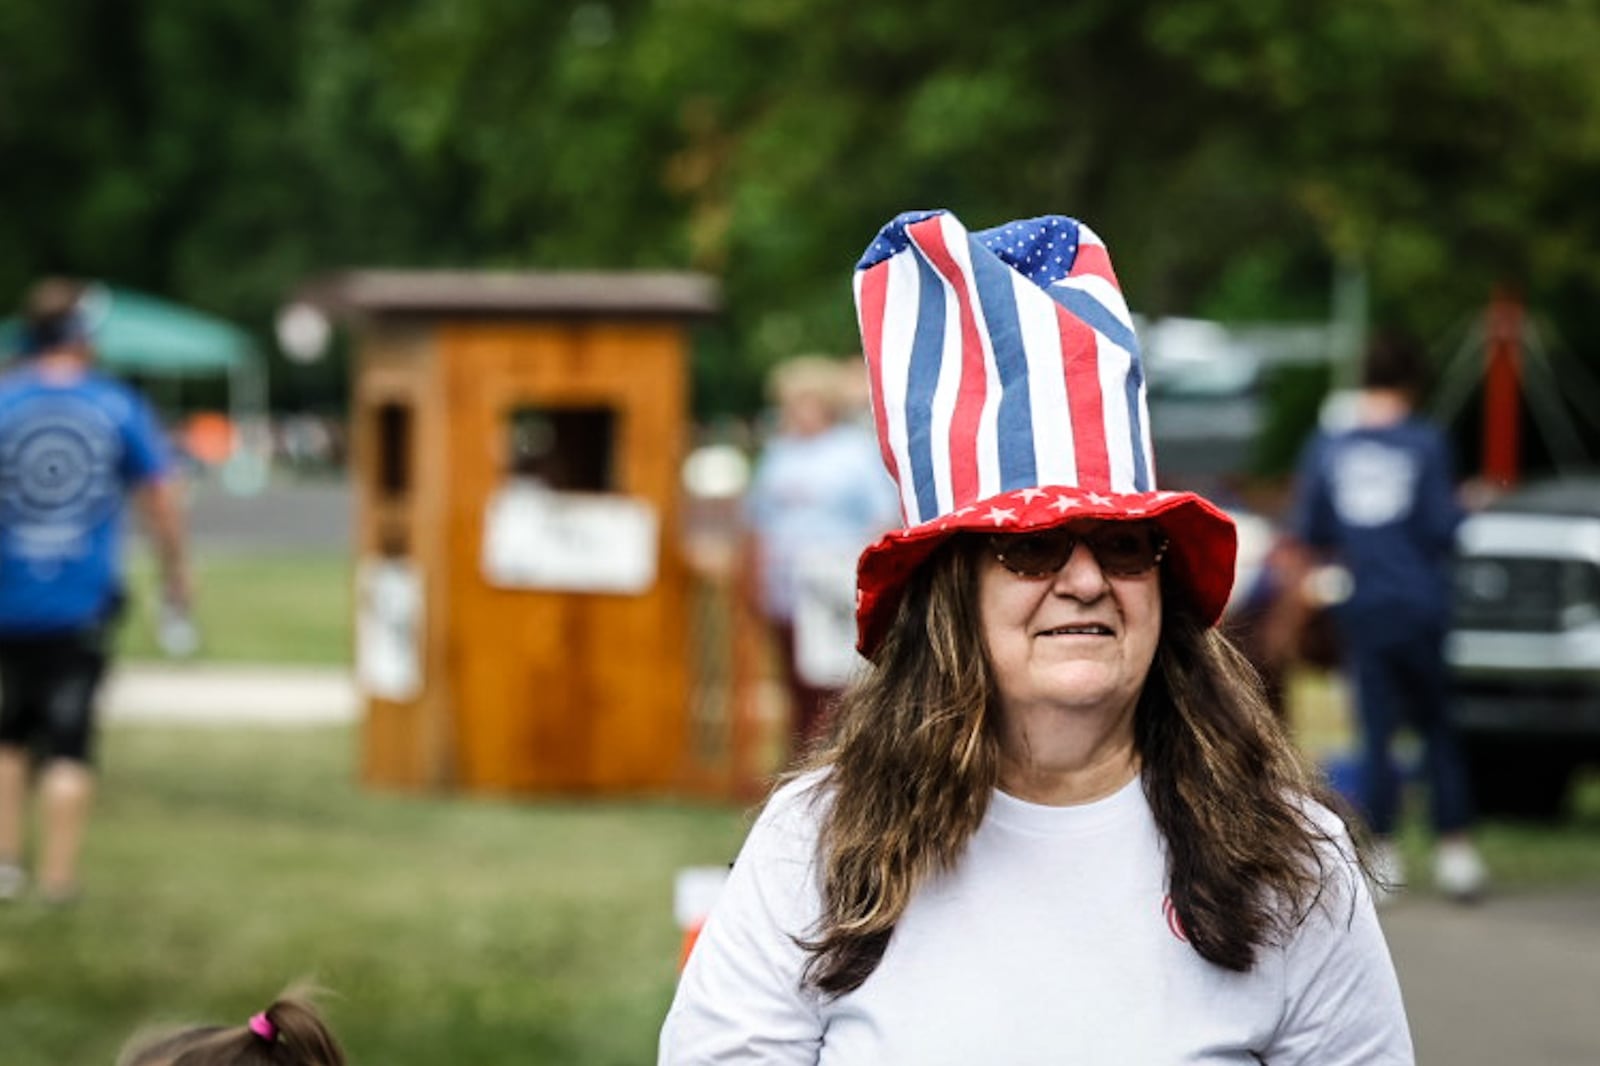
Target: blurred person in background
<point>818,495</point>
<point>75,445</point>
<point>1376,496</point>
<point>1279,624</point>
<point>1056,821</point>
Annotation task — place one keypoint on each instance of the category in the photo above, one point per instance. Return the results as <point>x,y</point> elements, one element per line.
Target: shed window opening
<point>568,449</point>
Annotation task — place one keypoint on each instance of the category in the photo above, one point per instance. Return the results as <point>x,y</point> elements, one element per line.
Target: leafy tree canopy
<point>1231,151</point>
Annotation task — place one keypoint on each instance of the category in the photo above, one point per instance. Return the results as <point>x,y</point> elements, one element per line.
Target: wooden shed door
<point>567,690</point>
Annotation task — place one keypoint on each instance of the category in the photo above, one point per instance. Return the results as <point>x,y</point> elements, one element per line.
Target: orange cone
<point>690,935</point>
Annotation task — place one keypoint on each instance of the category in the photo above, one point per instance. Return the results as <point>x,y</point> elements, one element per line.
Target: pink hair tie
<point>262,1026</point>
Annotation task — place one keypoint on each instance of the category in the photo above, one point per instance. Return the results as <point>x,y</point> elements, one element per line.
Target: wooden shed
<point>522,610</point>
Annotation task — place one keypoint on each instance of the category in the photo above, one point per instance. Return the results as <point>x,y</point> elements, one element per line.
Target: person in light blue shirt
<point>819,495</point>
<point>1378,498</point>
<point>75,447</point>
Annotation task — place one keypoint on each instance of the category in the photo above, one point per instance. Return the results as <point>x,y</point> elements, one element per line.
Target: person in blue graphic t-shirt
<point>75,447</point>
<point>1377,496</point>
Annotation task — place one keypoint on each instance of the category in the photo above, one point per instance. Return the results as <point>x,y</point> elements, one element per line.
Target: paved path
<point>286,516</point>
<point>210,694</point>
<point>1514,981</point>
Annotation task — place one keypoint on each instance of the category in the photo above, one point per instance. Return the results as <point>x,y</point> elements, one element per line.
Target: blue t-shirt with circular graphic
<point>69,452</point>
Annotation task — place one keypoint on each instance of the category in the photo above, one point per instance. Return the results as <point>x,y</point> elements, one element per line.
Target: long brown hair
<point>299,1038</point>
<point>915,756</point>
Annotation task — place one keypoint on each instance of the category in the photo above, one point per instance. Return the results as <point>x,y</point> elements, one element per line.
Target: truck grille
<point>1517,595</point>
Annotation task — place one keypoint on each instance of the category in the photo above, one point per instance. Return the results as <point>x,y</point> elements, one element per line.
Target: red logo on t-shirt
<point>1174,923</point>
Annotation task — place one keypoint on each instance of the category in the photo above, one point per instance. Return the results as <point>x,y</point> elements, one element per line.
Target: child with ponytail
<point>290,1032</point>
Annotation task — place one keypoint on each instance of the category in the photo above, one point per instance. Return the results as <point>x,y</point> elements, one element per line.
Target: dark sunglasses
<point>1123,549</point>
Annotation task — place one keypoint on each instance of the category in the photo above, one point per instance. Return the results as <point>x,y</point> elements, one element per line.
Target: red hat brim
<point>1202,550</point>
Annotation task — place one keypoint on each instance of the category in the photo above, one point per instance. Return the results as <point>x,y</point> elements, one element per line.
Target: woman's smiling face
<point>1077,639</point>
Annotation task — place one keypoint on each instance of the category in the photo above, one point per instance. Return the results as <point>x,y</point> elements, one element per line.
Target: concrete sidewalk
<point>1511,981</point>
<point>213,694</point>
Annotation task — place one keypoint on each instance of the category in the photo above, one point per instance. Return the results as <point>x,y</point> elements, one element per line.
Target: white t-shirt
<point>1053,941</point>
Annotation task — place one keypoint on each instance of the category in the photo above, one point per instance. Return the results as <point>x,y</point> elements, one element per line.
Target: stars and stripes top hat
<point>1008,395</point>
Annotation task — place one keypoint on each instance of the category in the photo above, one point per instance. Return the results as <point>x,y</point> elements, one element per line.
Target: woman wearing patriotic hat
<point>1056,821</point>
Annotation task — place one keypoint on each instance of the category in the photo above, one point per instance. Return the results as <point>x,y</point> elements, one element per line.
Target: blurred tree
<point>1433,142</point>
<point>1231,151</point>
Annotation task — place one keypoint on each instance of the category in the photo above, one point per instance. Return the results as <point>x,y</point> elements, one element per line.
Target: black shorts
<point>48,686</point>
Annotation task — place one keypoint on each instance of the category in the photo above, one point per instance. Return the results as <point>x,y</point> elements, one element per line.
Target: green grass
<point>254,609</point>
<point>1518,853</point>
<point>1522,854</point>
<point>222,864</point>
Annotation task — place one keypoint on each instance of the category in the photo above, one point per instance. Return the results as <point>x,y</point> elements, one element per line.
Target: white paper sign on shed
<point>389,618</point>
<point>535,538</point>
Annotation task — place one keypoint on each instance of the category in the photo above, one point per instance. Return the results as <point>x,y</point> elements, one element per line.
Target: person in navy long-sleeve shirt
<point>1377,496</point>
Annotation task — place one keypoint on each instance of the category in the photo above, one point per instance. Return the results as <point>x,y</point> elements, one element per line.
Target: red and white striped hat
<point>1008,395</point>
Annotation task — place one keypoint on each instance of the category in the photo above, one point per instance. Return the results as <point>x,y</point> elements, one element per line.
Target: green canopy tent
<point>135,333</point>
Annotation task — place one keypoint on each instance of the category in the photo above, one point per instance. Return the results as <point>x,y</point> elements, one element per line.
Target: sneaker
<point>13,881</point>
<point>1459,871</point>
<point>1388,878</point>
